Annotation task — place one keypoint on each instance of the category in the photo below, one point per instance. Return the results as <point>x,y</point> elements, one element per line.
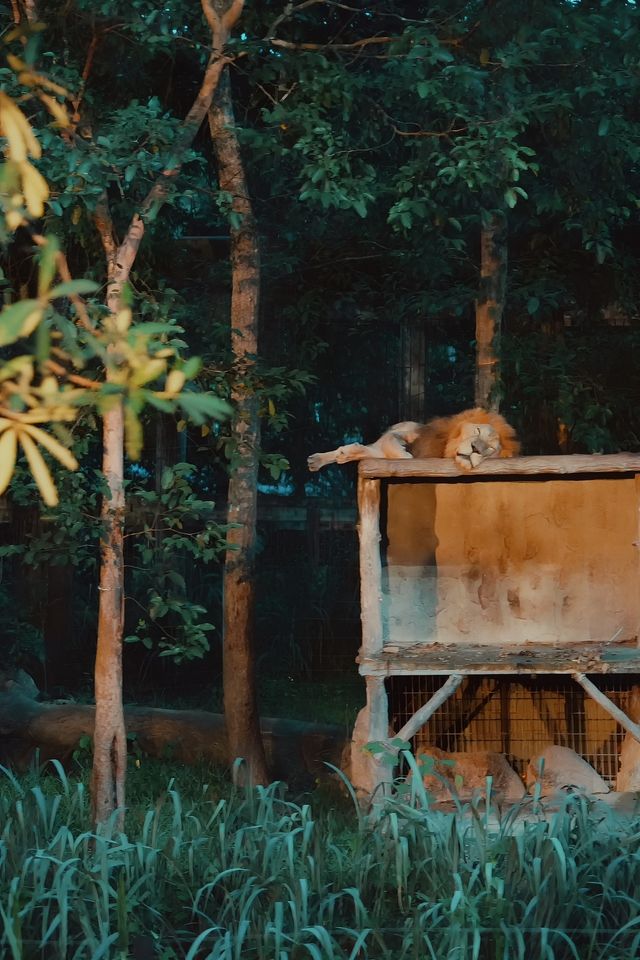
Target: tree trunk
<point>109,758</point>
<point>239,682</point>
<point>490,307</point>
<point>109,739</point>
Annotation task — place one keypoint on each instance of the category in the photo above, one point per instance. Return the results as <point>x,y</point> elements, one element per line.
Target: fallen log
<point>295,749</point>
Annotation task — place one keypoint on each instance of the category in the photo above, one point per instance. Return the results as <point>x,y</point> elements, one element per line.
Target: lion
<point>467,438</point>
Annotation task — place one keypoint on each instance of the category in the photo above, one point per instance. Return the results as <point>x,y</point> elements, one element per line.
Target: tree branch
<point>86,71</point>
<point>65,275</point>
<point>224,22</point>
<point>288,12</point>
<point>61,371</point>
<point>428,133</point>
<point>220,29</point>
<point>365,42</point>
<point>104,225</point>
<point>31,10</point>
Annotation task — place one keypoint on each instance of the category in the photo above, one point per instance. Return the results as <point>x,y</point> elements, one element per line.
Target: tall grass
<point>255,876</point>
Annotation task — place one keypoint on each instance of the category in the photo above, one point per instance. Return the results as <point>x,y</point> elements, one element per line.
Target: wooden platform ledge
<point>514,466</point>
<point>436,658</point>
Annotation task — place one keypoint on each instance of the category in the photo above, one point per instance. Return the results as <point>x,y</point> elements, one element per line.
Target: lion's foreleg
<point>350,451</point>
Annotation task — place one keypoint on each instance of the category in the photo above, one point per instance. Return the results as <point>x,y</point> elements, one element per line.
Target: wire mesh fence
<point>517,716</point>
<point>308,589</point>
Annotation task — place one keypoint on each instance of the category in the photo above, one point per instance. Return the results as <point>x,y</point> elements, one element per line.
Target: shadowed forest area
<point>374,141</point>
<point>233,234</point>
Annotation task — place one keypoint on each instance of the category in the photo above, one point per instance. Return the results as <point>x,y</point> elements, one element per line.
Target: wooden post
<point>367,772</point>
<point>370,566</point>
<point>636,542</point>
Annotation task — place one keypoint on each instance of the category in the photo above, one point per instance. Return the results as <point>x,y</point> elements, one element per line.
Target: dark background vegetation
<point>371,166</point>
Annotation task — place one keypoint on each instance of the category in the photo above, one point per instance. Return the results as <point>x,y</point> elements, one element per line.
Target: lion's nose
<point>479,446</point>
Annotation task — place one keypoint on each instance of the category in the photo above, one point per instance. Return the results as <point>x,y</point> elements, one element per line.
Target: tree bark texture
<point>109,763</point>
<point>109,741</point>
<point>490,308</point>
<point>239,681</point>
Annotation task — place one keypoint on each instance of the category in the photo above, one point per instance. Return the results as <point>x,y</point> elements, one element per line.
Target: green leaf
<point>603,127</point>
<point>46,273</point>
<point>191,367</point>
<point>153,328</point>
<point>204,406</point>
<point>13,318</point>
<point>167,478</point>
<point>70,287</point>
<point>43,342</point>
<point>532,305</point>
<point>167,406</point>
<point>510,198</point>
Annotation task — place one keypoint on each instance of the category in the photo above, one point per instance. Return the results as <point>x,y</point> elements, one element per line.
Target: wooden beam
<point>636,542</point>
<point>421,716</point>
<point>595,656</point>
<point>608,705</point>
<point>370,566</point>
<point>512,466</point>
<point>378,704</point>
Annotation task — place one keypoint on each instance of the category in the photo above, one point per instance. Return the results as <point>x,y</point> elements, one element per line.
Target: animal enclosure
<point>526,566</point>
<point>518,716</point>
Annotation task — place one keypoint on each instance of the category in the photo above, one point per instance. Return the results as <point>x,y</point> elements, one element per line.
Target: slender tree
<point>109,765</point>
<point>240,699</point>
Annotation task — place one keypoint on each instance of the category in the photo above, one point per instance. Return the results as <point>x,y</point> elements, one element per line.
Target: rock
<point>621,804</point>
<point>559,768</point>
<point>465,775</point>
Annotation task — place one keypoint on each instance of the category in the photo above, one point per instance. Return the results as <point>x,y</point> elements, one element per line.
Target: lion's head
<point>477,435</point>
<point>473,443</point>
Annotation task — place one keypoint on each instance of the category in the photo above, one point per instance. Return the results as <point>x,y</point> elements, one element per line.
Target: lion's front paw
<point>314,462</point>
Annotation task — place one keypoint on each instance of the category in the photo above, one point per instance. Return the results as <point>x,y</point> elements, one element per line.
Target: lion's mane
<point>440,437</point>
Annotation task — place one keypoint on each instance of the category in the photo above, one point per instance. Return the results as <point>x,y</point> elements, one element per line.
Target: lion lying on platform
<point>468,438</point>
